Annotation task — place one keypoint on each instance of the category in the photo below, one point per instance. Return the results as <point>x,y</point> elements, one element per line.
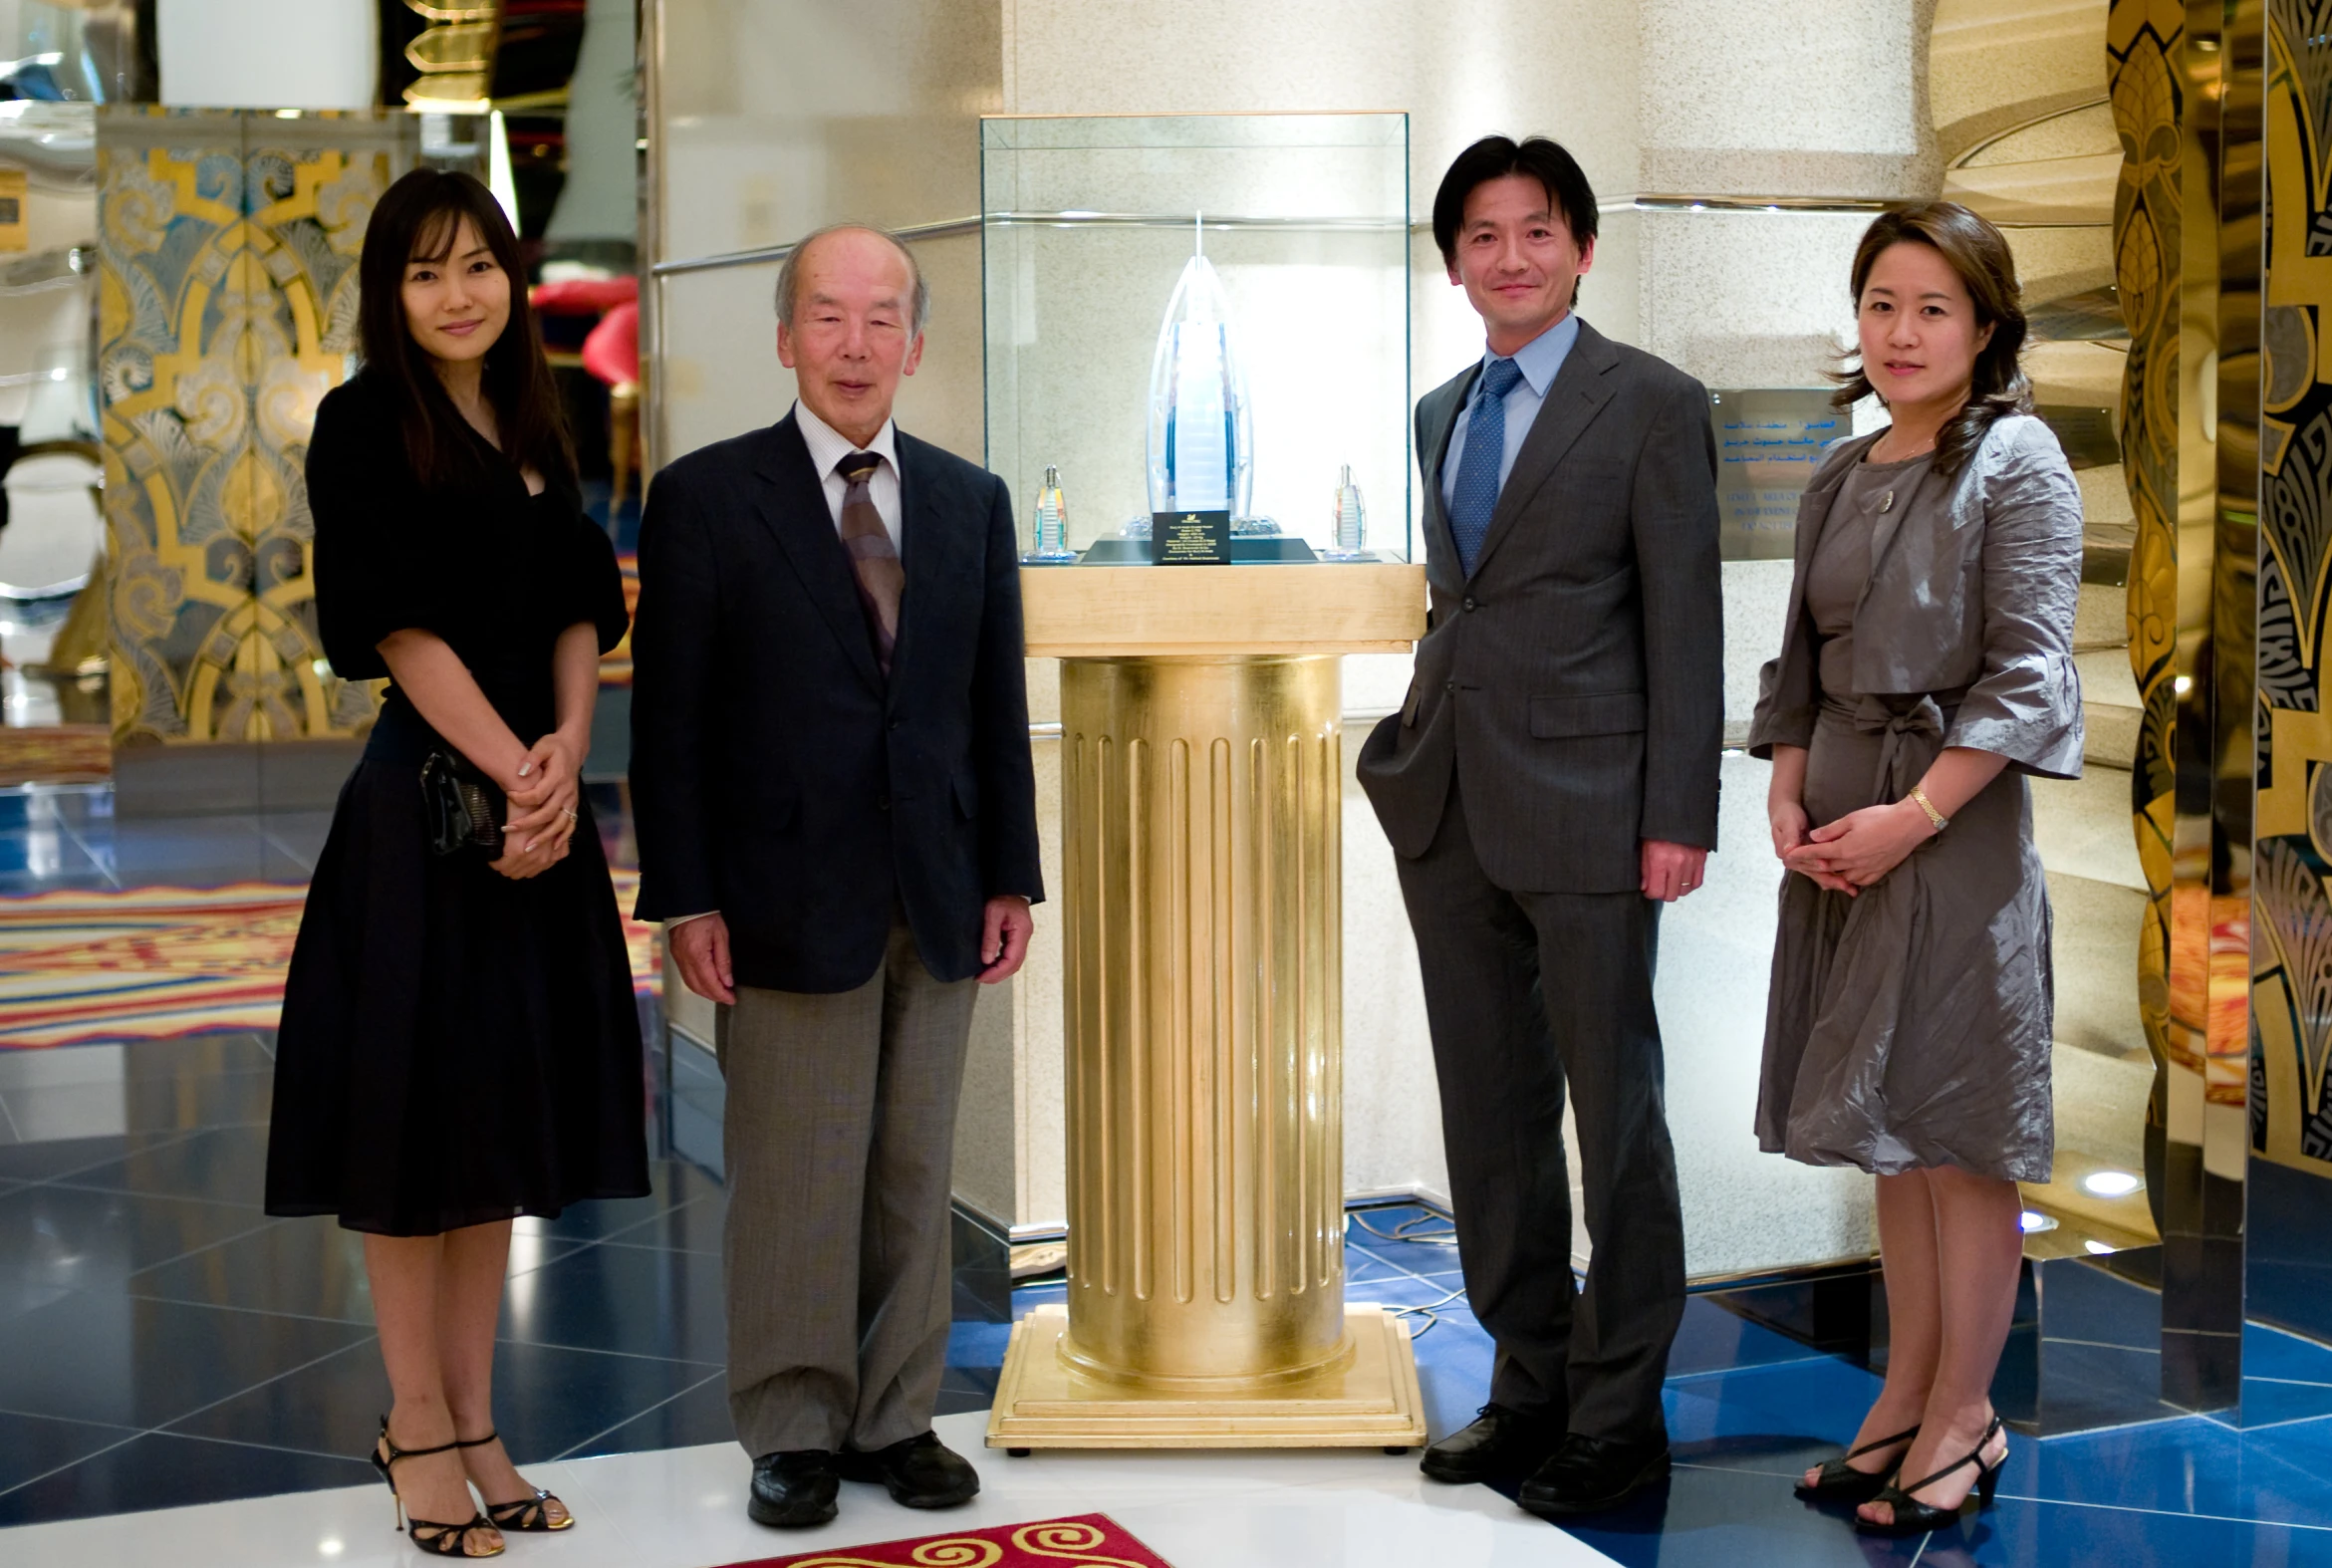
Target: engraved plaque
<point>1767,445</point>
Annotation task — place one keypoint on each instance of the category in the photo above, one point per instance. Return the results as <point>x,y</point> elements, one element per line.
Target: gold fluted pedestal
<point>1201,845</point>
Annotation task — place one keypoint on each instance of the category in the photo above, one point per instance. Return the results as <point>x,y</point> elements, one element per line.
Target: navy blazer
<point>776,775</point>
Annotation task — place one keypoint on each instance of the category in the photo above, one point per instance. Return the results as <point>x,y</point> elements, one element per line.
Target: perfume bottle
<point>1352,518</point>
<point>1052,521</point>
<point>1201,435</point>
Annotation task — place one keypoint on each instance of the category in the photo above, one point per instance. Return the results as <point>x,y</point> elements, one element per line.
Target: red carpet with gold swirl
<point>148,963</point>
<point>1090,1540</point>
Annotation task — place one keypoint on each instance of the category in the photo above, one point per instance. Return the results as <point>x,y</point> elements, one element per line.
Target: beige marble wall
<point>775,116</point>
<point>1564,68</point>
<point>782,114</point>
<point>1795,97</point>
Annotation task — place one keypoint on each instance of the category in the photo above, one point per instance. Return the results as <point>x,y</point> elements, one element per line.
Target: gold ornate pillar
<point>1202,786</point>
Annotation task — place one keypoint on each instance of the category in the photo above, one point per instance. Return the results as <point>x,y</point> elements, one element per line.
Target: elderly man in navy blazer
<point>837,822</point>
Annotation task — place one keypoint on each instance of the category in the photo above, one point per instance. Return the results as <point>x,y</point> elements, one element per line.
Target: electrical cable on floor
<point>1425,1311</point>
<point>1409,1230</point>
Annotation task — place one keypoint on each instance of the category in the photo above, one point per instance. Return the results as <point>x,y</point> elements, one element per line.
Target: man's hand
<point>701,951</point>
<point>1672,870</point>
<point>1004,941</point>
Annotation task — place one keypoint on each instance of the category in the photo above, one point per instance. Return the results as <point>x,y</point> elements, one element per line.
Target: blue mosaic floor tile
<point>157,1470</point>
<point>33,1445</point>
<point>304,1267</point>
<point>2186,1466</point>
<point>548,1400</point>
<point>622,1299</point>
<point>2268,1403</point>
<point>1711,1339</point>
<point>82,1238</point>
<point>698,1415</point>
<point>224,1164</point>
<point>676,1184</point>
<point>2271,1352</point>
<point>104,1356</point>
<point>1722,1519</point>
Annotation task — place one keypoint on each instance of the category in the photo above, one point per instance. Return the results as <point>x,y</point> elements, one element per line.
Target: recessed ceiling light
<point>2110,1183</point>
<point>2035,1223</point>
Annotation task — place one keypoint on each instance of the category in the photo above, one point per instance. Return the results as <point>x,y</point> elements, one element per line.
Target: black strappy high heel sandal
<point>528,1515</point>
<point>1840,1482</point>
<point>1912,1517</point>
<point>444,1540</point>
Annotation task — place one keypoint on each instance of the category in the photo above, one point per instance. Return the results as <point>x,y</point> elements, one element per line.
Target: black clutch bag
<point>464,809</point>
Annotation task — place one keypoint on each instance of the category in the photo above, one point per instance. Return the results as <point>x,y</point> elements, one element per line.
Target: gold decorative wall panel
<point>2287,1194</point>
<point>2291,1065</point>
<point>2143,39</point>
<point>228,309</point>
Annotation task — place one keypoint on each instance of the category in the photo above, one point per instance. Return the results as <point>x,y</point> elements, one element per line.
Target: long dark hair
<point>417,219</point>
<point>1979,254</point>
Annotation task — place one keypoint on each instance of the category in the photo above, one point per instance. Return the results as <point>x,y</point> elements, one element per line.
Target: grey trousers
<point>839,1135</point>
<point>1527,995</point>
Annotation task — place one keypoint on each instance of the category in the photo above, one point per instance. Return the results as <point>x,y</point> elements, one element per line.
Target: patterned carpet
<point>1091,1540</point>
<point>154,962</point>
<point>60,753</point>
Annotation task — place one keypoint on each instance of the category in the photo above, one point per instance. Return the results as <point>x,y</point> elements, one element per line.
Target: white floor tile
<point>685,1508</point>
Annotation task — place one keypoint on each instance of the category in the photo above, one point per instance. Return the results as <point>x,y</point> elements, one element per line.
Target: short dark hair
<point>1494,158</point>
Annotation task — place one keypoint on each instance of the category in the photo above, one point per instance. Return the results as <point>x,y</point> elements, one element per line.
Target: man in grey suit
<point>1550,781</point>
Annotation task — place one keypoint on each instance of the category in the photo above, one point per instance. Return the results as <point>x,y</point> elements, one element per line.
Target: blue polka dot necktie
<point>1477,494</point>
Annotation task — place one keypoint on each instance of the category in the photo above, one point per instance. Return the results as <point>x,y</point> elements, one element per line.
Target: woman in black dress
<point>460,1044</point>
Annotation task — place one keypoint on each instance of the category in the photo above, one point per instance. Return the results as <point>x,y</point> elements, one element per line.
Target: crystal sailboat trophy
<point>1201,437</point>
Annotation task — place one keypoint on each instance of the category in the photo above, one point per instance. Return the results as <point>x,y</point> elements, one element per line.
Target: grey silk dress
<point>1909,1026</point>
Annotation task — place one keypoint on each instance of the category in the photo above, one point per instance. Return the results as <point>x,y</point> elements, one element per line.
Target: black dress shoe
<point>1501,1445</point>
<point>918,1472</point>
<point>1591,1475</point>
<point>794,1489</point>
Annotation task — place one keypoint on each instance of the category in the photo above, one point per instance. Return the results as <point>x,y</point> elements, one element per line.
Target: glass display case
<point>1199,317</point>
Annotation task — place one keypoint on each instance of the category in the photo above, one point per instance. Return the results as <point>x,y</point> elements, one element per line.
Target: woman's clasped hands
<point>544,807</point>
<point>1854,852</point>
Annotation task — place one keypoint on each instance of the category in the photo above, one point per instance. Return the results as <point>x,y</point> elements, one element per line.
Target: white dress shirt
<point>828,448</point>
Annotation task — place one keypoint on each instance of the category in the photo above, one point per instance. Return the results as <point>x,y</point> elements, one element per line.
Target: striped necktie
<point>872,557</point>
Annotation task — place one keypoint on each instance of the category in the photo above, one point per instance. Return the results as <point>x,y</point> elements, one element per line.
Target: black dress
<point>456,1047</point>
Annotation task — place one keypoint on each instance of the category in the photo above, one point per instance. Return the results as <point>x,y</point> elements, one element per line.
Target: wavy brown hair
<point>417,219</point>
<point>1979,254</point>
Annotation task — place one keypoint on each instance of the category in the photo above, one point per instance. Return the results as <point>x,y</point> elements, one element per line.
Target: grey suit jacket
<point>1973,587</point>
<point>1574,685</point>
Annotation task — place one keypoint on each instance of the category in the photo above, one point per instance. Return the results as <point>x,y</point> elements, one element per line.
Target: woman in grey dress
<point>1927,668</point>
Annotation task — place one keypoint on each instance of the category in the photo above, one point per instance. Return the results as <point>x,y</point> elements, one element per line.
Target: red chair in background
<point>609,355</point>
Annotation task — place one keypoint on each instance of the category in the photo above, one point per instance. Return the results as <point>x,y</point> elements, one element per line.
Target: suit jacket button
<point>1469,604</point>
<point>881,803</point>
<point>1449,686</point>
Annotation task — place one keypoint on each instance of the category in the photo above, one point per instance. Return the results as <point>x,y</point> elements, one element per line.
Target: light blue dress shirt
<point>1539,360</point>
